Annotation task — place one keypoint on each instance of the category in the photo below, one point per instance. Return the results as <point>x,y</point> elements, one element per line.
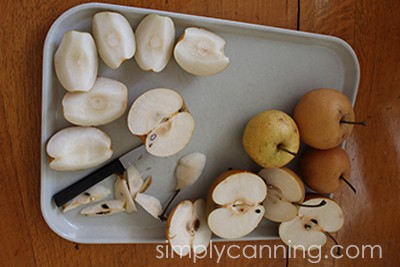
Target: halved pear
<point>285,190</point>
<point>105,208</point>
<point>234,203</point>
<point>187,230</point>
<point>201,52</point>
<point>155,38</point>
<point>312,226</point>
<point>78,148</point>
<point>114,38</point>
<point>75,61</point>
<point>162,121</point>
<point>189,169</point>
<point>121,192</point>
<point>104,103</point>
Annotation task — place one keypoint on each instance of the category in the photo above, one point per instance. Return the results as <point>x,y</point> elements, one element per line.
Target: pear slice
<point>75,61</point>
<point>187,230</point>
<point>146,184</point>
<point>93,194</point>
<point>155,38</point>
<point>310,229</point>
<point>78,148</point>
<point>104,103</point>
<point>189,169</point>
<point>285,191</point>
<point>135,180</point>
<point>114,38</point>
<point>235,203</point>
<point>104,208</point>
<point>161,120</point>
<point>150,204</point>
<point>201,52</point>
<point>121,192</point>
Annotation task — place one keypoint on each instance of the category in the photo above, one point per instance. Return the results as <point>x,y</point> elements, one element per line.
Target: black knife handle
<point>85,183</point>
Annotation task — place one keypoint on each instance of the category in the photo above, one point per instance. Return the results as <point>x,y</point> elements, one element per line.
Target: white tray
<point>270,68</point>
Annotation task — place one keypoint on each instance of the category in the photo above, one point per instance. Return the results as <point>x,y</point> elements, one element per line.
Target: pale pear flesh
<point>285,189</point>
<point>155,38</point>
<point>150,204</point>
<point>189,169</point>
<point>104,103</point>
<point>78,148</point>
<point>75,61</point>
<point>121,192</point>
<point>307,231</point>
<point>239,210</point>
<point>187,229</point>
<point>105,208</point>
<point>160,118</point>
<point>201,52</point>
<point>114,38</point>
<point>93,194</point>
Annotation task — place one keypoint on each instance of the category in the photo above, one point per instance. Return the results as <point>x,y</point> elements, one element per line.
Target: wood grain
<point>371,27</point>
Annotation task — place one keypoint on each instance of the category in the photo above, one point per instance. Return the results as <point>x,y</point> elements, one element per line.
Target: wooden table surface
<point>371,27</point>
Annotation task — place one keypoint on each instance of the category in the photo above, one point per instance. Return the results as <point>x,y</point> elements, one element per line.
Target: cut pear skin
<point>121,192</point>
<point>150,204</point>
<point>187,230</point>
<point>78,148</point>
<point>234,207</point>
<point>285,189</point>
<point>75,61</point>
<point>201,52</point>
<point>104,103</point>
<point>189,169</point>
<point>155,38</point>
<point>308,230</point>
<point>114,38</point>
<point>161,120</point>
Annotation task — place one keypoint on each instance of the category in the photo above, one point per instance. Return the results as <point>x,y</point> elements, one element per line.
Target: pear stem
<point>287,151</point>
<point>348,183</point>
<point>338,253</point>
<point>162,215</point>
<point>363,123</point>
<point>322,203</point>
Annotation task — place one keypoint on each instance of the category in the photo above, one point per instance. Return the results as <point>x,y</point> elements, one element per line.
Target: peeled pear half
<point>104,103</point>
<point>114,38</point>
<point>78,148</point>
<point>161,120</point>
<point>155,39</point>
<point>201,52</point>
<point>75,61</point>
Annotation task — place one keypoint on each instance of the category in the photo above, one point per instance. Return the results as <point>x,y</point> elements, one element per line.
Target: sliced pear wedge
<point>162,121</point>
<point>313,225</point>
<point>105,208</point>
<point>135,180</point>
<point>155,39</point>
<point>150,204</point>
<point>104,103</point>
<point>234,203</point>
<point>121,192</point>
<point>75,61</point>
<point>93,194</point>
<point>187,230</point>
<point>201,52</point>
<point>78,148</point>
<point>114,38</point>
<point>285,192</point>
<point>189,169</point>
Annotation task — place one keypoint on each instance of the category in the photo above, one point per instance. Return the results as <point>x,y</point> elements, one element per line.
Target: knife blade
<point>118,165</point>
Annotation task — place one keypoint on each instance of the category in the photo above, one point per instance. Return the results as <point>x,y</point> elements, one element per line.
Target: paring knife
<point>118,165</point>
